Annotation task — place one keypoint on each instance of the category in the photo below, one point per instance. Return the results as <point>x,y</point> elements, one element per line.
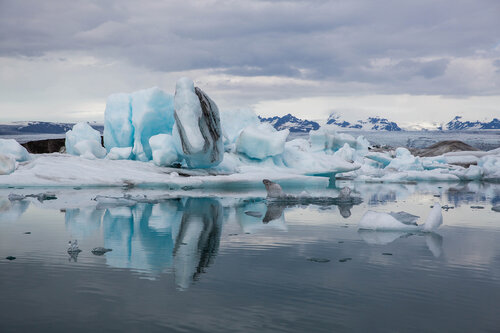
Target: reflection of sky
<point>182,235</point>
<point>448,281</point>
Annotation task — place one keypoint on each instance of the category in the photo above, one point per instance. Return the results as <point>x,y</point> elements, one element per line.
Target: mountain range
<point>294,124</point>
<point>371,124</point>
<point>456,124</point>
<point>375,123</point>
<point>37,127</point>
<point>290,122</point>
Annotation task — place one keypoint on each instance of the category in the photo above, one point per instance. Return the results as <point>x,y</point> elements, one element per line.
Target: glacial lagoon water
<point>231,262</point>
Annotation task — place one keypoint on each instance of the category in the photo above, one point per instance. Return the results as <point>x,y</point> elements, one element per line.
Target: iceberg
<point>198,131</point>
<point>233,122</point>
<point>118,129</point>
<point>327,138</point>
<point>12,148</point>
<point>261,141</point>
<point>84,141</point>
<point>152,114</point>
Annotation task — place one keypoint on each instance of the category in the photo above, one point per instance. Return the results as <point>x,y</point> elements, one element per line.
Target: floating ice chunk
<point>404,161</point>
<point>12,148</point>
<point>84,141</point>
<point>473,172</point>
<point>382,158</point>
<point>490,166</point>
<point>390,221</point>
<point>163,148</point>
<point>118,130</point>
<point>233,122</point>
<point>299,156</point>
<point>261,141</point>
<point>383,221</point>
<point>152,113</point>
<point>7,164</point>
<point>117,153</point>
<point>326,138</point>
<point>405,217</point>
<point>108,201</point>
<point>346,153</point>
<point>197,126</point>
<point>436,175</point>
<point>461,159</point>
<point>362,145</point>
<point>435,218</point>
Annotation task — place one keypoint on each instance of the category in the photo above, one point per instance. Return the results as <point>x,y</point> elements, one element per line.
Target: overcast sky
<point>411,61</point>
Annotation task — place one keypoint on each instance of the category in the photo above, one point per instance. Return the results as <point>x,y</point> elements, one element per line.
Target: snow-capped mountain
<point>456,124</point>
<point>40,127</point>
<point>294,124</point>
<point>371,124</point>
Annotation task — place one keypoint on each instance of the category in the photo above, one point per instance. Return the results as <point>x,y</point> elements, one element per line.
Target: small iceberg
<point>401,221</point>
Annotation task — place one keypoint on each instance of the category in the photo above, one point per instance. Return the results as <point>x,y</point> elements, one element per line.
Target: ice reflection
<point>11,211</point>
<point>433,240</point>
<point>83,222</point>
<point>179,235</point>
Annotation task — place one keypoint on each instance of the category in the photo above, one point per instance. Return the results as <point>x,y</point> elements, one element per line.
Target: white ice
<point>84,141</point>
<point>261,141</point>
<point>380,221</point>
<point>117,153</point>
<point>188,114</point>
<point>163,149</point>
<point>12,148</point>
<point>197,132</point>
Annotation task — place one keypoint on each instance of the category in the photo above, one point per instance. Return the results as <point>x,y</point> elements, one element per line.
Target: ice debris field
<point>184,141</point>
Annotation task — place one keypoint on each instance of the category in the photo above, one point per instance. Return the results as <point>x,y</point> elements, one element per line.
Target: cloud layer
<point>249,51</point>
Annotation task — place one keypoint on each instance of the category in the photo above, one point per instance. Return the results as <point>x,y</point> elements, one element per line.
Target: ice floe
<point>401,221</point>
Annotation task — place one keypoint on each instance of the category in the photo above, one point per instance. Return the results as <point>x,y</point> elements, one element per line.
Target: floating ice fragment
<point>12,148</point>
<point>389,221</point>
<point>84,141</point>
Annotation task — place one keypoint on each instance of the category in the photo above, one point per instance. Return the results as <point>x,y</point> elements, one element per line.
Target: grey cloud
<point>318,40</point>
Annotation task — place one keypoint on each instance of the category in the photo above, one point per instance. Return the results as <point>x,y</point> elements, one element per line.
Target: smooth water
<point>210,264</point>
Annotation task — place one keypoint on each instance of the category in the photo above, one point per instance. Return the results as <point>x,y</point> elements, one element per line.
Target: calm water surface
<point>229,262</point>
